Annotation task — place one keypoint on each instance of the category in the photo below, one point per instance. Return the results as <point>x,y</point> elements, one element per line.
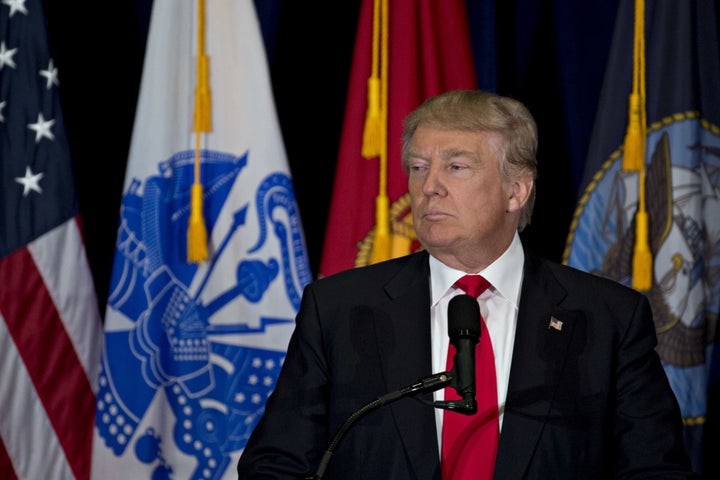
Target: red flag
<point>429,52</point>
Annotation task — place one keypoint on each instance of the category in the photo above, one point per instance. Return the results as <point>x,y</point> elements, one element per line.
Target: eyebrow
<point>458,152</point>
<point>445,154</point>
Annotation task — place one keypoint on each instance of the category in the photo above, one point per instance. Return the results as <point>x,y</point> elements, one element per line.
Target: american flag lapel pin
<point>555,323</point>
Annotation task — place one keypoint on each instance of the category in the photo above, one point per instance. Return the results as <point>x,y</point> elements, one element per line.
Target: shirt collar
<point>505,274</point>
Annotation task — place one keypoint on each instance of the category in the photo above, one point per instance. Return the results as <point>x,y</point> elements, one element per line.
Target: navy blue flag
<point>682,192</point>
<point>50,326</point>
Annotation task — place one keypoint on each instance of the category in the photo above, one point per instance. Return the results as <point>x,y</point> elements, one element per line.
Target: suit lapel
<point>407,315</point>
<point>543,336</point>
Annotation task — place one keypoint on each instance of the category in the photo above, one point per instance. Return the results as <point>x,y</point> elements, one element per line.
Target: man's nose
<point>434,184</point>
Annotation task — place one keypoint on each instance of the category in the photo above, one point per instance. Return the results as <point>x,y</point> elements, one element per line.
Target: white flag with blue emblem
<point>193,350</point>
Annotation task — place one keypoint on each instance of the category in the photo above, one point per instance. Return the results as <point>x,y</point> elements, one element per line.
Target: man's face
<point>460,201</point>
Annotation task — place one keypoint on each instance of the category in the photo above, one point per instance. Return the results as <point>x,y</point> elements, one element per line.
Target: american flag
<point>50,325</point>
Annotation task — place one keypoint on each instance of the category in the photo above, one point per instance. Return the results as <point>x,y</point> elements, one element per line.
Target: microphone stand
<point>466,406</point>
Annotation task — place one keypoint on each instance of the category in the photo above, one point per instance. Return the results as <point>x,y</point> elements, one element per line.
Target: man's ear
<point>519,193</point>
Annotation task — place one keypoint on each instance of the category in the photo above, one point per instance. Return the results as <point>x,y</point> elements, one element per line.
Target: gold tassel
<point>197,250</point>
<point>373,122</point>
<point>196,233</point>
<point>371,131</point>
<point>382,242</point>
<point>202,118</point>
<point>401,243</point>
<point>642,257</point>
<point>634,144</point>
<point>634,155</point>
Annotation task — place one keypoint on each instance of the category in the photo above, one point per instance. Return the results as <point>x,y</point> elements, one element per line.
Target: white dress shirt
<point>498,307</point>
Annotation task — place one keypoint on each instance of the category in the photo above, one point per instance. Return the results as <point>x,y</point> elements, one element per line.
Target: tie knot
<point>473,285</point>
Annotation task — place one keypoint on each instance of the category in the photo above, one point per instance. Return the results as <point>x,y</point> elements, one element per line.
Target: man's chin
<point>436,243</point>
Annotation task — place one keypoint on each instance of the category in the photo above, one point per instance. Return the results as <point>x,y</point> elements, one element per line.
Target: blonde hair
<point>477,110</point>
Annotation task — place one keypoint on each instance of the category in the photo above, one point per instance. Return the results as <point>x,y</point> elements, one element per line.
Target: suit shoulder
<point>592,282</point>
<point>377,274</point>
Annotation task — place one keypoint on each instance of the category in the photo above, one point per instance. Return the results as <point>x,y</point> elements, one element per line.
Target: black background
<point>543,52</point>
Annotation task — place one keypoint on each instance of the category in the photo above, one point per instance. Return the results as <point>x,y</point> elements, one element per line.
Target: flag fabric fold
<point>193,349</point>
<point>681,188</point>
<point>428,52</point>
<point>50,324</point>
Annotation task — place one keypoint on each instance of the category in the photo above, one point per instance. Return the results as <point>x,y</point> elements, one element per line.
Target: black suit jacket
<point>586,400</point>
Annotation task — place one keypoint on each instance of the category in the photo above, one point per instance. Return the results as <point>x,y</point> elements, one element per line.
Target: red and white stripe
<point>50,343</point>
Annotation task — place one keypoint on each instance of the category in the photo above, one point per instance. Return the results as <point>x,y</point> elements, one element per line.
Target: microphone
<point>464,332</point>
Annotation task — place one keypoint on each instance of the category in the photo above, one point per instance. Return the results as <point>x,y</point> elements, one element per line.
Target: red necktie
<point>470,442</point>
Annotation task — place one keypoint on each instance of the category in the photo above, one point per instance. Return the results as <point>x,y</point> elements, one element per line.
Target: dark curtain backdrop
<point>550,54</point>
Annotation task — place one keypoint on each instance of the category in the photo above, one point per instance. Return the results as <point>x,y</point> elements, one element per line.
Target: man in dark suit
<point>581,392</point>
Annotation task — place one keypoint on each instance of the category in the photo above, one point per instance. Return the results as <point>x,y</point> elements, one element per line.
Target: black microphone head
<point>463,317</point>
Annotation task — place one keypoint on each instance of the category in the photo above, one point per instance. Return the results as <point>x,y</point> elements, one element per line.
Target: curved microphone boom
<point>464,332</point>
